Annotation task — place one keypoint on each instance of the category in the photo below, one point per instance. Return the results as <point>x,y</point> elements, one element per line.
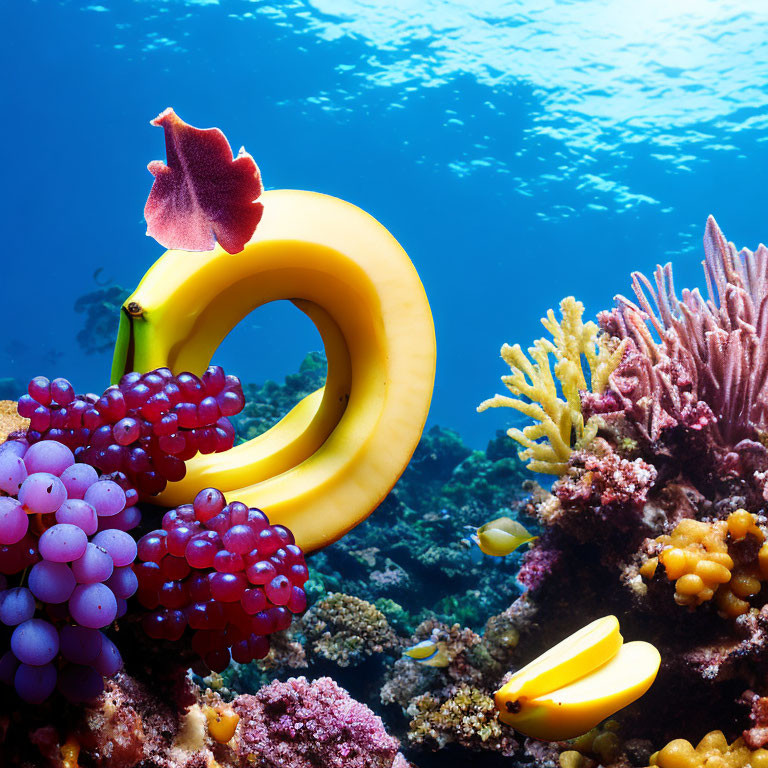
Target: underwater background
<point>520,152</point>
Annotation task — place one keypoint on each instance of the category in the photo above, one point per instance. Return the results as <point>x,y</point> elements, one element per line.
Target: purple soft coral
<point>298,724</point>
<point>202,195</point>
<point>713,355</point>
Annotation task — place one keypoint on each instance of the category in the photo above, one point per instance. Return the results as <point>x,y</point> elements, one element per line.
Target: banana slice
<point>578,683</point>
<point>333,458</point>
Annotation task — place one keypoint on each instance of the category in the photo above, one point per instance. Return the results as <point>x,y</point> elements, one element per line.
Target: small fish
<point>501,537</point>
<point>429,653</point>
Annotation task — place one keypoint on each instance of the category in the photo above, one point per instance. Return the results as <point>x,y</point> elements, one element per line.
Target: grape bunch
<point>223,571</point>
<point>142,430</point>
<point>65,570</point>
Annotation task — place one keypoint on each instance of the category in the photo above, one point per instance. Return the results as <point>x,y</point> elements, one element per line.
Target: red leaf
<point>202,195</point>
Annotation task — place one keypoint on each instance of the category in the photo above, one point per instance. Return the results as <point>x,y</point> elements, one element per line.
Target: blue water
<point>520,151</point>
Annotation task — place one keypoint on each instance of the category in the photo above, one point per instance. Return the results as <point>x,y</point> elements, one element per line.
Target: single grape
<point>228,562</point>
<point>77,479</point>
<point>48,456</point>
<point>201,551</point>
<point>268,542</point>
<point>42,493</point>
<point>13,472</point>
<point>95,564</point>
<point>13,521</point>
<point>51,582</point>
<point>126,520</point>
<point>35,642</point>
<point>253,601</point>
<point>297,603</point>
<point>35,684</point>
<point>240,539</point>
<point>62,392</point>
<point>106,497</point>
<point>123,582</point>
<point>16,447</point>
<point>178,537</point>
<point>258,646</point>
<point>260,572</point>
<point>63,543</point>
<point>119,544</point>
<point>79,513</point>
<point>108,662</point>
<point>213,380</point>
<point>40,390</point>
<point>278,590</point>
<point>152,546</point>
<point>227,587</point>
<point>93,605</point>
<point>17,605</point>
<point>208,503</point>
<point>126,431</point>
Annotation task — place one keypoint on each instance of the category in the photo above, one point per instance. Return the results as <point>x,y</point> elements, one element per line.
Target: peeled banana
<point>333,458</point>
<point>575,685</point>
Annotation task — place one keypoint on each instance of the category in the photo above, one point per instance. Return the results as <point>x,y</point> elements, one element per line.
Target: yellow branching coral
<point>556,409</point>
<point>696,557</point>
<point>712,750</point>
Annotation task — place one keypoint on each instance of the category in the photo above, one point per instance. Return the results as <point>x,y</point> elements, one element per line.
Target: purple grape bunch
<point>67,530</point>
<point>141,430</point>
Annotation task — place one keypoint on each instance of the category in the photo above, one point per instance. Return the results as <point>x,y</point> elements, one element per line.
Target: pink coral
<point>298,724</point>
<point>712,351</point>
<point>538,563</point>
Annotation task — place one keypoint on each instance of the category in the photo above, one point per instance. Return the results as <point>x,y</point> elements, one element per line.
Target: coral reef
<point>298,724</point>
<point>10,421</point>
<point>713,750</point>
<point>468,717</point>
<point>101,308</point>
<point>267,403</point>
<point>345,629</point>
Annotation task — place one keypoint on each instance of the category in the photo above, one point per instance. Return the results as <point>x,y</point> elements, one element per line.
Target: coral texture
<point>345,629</point>
<point>298,724</point>
<point>560,421</point>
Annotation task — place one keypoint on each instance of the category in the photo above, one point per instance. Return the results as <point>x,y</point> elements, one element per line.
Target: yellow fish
<point>502,536</point>
<point>429,653</point>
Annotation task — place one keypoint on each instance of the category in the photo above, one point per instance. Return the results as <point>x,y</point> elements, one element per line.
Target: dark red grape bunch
<point>142,430</point>
<point>223,571</point>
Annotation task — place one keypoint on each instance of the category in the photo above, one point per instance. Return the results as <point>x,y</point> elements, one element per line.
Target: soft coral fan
<point>713,354</point>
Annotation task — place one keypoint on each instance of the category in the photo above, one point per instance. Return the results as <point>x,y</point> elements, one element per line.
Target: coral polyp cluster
<point>696,557</point>
<point>712,750</point>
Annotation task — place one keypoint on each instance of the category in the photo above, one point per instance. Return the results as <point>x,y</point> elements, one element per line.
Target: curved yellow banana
<point>575,685</point>
<point>328,464</point>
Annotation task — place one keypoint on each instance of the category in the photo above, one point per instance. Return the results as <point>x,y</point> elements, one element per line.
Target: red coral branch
<point>202,195</point>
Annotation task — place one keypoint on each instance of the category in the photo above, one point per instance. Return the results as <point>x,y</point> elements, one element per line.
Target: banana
<point>578,683</point>
<point>333,458</point>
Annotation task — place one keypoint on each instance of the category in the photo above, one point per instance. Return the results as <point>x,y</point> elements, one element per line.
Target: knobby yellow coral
<point>712,750</point>
<point>696,557</point>
<point>559,420</point>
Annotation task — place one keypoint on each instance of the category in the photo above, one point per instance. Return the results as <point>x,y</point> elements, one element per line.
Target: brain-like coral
<point>346,629</point>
